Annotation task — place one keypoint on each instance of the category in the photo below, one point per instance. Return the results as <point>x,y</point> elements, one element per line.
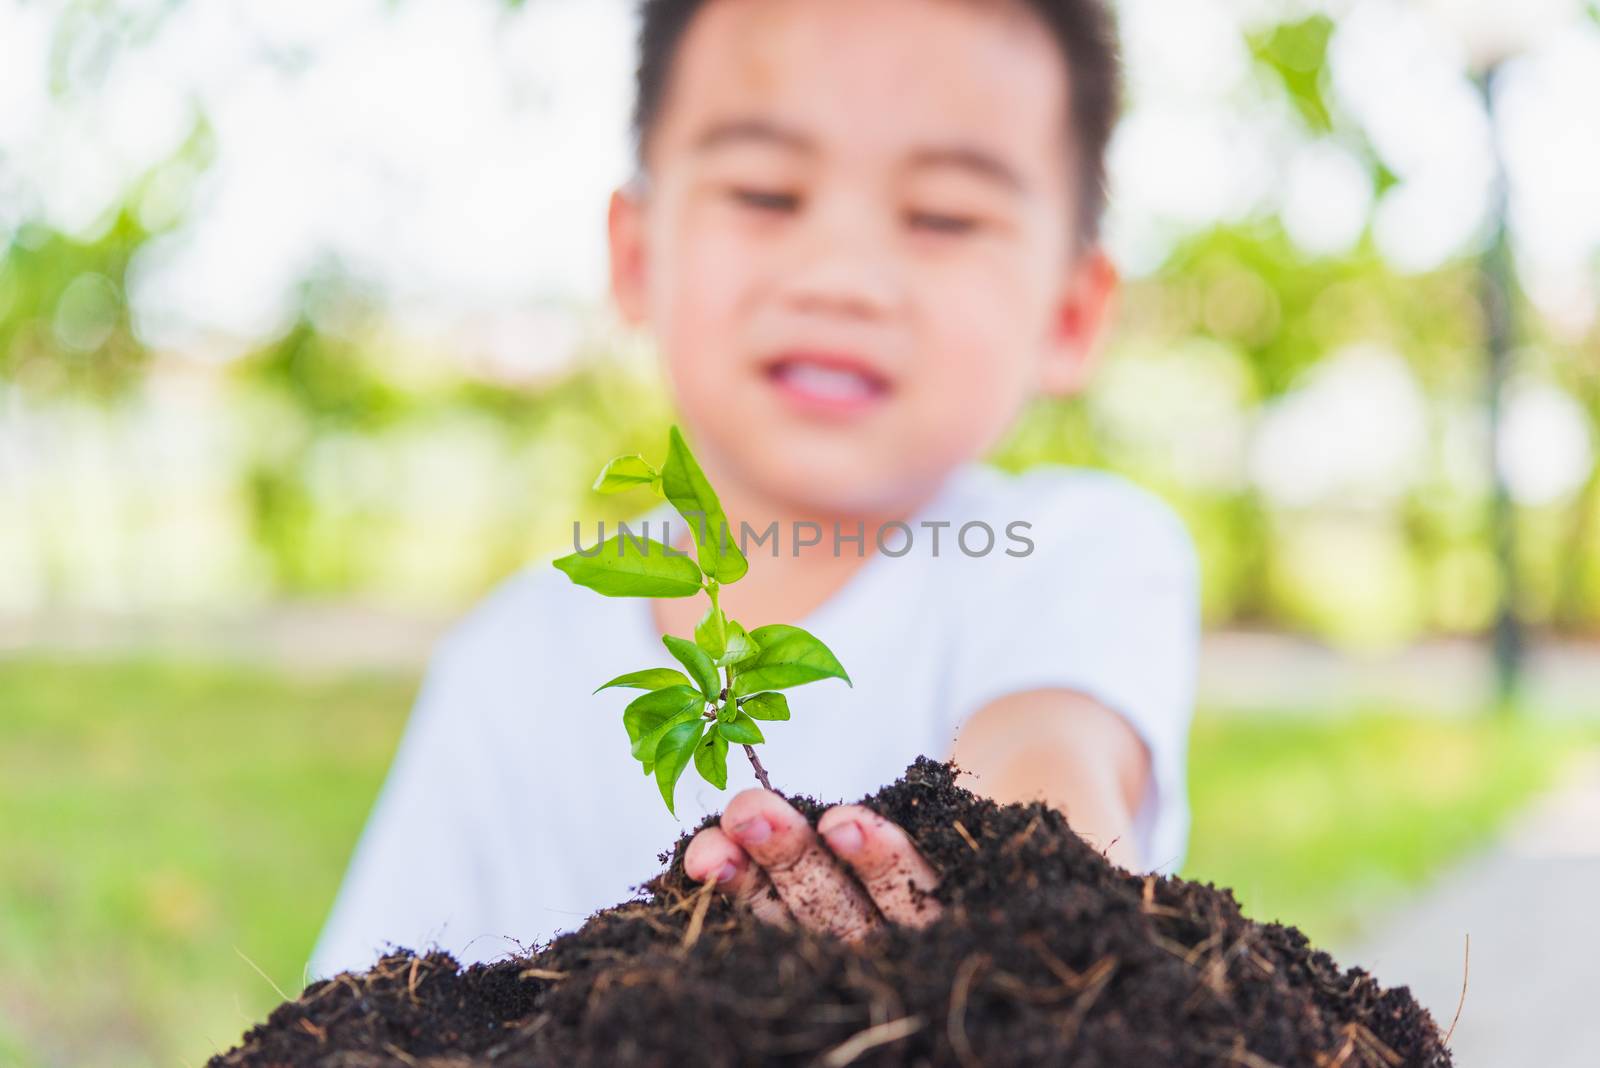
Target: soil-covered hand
<point>868,872</point>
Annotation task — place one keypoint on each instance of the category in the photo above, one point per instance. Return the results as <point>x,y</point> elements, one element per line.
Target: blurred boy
<point>864,237</point>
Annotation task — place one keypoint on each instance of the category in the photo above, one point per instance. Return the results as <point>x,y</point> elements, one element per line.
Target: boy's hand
<point>762,843</point>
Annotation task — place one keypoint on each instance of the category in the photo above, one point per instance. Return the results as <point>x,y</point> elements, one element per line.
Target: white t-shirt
<point>513,809</point>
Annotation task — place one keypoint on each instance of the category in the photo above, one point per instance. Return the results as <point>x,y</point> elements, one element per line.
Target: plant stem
<point>755,762</point>
<point>749,750</point>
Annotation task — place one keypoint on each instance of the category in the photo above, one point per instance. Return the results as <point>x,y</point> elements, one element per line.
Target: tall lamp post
<point>1492,32</point>
<point>1498,295</point>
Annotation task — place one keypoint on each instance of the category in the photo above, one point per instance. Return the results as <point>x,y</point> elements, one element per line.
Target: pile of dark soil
<point>1045,954</point>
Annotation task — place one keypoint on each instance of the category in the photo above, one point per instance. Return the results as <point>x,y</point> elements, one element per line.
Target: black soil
<point>1045,954</point>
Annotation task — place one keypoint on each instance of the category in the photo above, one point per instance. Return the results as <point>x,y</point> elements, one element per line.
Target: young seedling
<point>695,717</point>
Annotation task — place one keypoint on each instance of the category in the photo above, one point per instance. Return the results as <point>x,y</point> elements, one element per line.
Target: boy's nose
<point>838,285</point>
<point>845,265</point>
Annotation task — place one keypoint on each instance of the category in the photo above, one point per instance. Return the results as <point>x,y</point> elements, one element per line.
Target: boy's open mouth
<point>827,383</point>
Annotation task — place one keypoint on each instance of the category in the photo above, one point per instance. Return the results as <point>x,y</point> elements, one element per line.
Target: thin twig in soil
<point>1177,949</point>
<point>883,1002</point>
<point>697,920</point>
<point>1343,1055</point>
<point>1020,839</point>
<point>1033,995</point>
<point>522,1030</point>
<point>542,973</point>
<point>1198,950</point>
<point>657,926</point>
<point>1098,977</point>
<point>1466,968</point>
<point>681,902</point>
<point>1359,1041</point>
<point>613,977</point>
<point>1148,901</point>
<point>401,1055</point>
<point>1070,983</point>
<point>603,953</point>
<point>1374,1045</point>
<point>956,1024</point>
<point>1240,1055</point>
<point>1214,975</point>
<point>851,1049</point>
<point>966,835</point>
<point>1058,967</point>
<point>276,989</point>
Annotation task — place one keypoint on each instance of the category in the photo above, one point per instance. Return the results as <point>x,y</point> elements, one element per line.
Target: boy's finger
<point>821,895</point>
<point>712,854</point>
<point>897,877</point>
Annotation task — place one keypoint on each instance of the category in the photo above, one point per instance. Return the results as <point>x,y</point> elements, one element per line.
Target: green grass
<point>161,821</point>
<point>158,820</point>
<point>1320,822</point>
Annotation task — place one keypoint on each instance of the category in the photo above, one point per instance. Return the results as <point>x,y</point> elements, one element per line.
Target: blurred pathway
<point>1532,909</point>
<point>1244,671</point>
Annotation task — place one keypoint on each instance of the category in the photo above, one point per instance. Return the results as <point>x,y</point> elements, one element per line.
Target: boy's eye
<point>765,200</point>
<point>942,224</point>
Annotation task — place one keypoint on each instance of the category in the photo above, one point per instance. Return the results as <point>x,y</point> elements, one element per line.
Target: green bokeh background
<point>172,828</point>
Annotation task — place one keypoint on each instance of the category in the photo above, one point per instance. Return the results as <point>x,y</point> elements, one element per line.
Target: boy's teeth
<point>826,381</point>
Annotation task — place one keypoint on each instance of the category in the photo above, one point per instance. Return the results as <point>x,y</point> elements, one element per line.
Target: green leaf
<point>742,730</point>
<point>701,669</point>
<point>685,485</point>
<point>765,706</point>
<point>672,756</point>
<point>723,639</point>
<point>648,679</point>
<point>649,714</point>
<point>788,657</point>
<point>711,757</point>
<point>625,473</point>
<point>1298,52</point>
<point>624,566</point>
<point>646,749</point>
<point>711,633</point>
<point>740,646</point>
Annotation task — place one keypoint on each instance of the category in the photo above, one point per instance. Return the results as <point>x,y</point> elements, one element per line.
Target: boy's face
<point>856,250</point>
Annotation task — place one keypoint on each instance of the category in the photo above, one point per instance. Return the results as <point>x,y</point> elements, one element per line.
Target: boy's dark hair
<point>1083,30</point>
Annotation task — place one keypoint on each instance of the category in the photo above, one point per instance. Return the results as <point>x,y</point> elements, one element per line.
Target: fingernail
<point>728,871</point>
<point>845,839</point>
<point>752,831</point>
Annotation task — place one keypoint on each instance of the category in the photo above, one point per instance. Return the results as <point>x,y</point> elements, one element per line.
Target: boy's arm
<point>1065,749</point>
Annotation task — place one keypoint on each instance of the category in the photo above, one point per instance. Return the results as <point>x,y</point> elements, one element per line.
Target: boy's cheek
<point>980,319</point>
<point>696,299</point>
<point>714,268</point>
<point>986,288</point>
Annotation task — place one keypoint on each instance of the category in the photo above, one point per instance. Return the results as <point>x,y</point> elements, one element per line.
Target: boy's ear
<point>625,234</point>
<point>1082,315</point>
